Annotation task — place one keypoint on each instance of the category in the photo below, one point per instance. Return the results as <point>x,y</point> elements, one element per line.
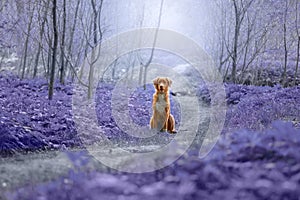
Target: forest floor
<point>42,151</point>
<point>35,167</point>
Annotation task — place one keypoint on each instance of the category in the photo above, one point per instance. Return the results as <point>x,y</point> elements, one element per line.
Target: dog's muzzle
<point>161,88</point>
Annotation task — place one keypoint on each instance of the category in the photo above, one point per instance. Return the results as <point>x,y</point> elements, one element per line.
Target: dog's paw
<point>172,132</point>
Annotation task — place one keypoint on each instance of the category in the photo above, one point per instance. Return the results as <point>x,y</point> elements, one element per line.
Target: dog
<point>161,118</point>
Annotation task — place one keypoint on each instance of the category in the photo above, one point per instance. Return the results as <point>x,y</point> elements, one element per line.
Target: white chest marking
<point>161,103</point>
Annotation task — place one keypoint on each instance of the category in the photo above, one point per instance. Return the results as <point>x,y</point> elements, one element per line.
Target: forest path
<point>33,168</point>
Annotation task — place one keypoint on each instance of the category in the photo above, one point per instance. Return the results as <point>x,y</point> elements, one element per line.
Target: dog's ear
<point>155,81</point>
<point>169,81</point>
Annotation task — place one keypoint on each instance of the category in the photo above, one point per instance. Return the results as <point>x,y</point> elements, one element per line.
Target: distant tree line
<point>252,32</point>
<point>52,38</point>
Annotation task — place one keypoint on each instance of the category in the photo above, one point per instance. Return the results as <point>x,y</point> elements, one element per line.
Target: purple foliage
<point>243,165</point>
<point>258,107</point>
<point>258,164</point>
<point>29,121</point>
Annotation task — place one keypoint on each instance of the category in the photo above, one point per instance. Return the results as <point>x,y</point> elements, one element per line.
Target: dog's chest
<point>161,103</point>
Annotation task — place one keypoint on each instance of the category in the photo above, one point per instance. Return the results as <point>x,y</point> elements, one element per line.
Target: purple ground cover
<point>243,165</point>
<point>29,121</point>
<point>256,158</point>
<point>257,107</point>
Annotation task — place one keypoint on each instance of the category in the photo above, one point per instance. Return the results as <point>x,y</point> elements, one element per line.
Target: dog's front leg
<point>167,114</point>
<point>154,120</point>
<point>165,125</point>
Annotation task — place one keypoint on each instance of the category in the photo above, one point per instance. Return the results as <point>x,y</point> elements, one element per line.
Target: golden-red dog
<point>162,118</point>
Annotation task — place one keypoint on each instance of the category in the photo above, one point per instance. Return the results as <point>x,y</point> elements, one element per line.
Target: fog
<point>192,18</point>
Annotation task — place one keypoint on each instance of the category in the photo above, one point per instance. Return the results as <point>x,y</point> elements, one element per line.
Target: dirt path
<point>34,168</point>
<point>20,170</point>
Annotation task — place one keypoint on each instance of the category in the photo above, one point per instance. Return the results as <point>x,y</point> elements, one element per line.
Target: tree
<point>285,43</point>
<point>71,40</point>
<point>54,49</point>
<point>298,41</point>
<point>146,64</point>
<point>243,33</point>
<point>62,60</point>
<point>96,29</point>
<point>240,10</point>
<point>42,20</point>
<point>31,8</point>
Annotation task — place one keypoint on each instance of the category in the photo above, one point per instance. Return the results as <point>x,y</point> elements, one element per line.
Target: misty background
<point>251,41</point>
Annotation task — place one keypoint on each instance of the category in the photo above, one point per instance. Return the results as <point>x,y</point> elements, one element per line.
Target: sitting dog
<point>161,118</point>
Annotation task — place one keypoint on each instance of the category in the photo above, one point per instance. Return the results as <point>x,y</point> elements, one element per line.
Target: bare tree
<point>255,42</point>
<point>243,35</point>
<point>72,32</point>
<point>142,17</point>
<point>31,8</point>
<point>148,62</point>
<point>62,60</point>
<point>298,41</point>
<point>222,57</point>
<point>47,42</point>
<point>285,43</point>
<point>42,21</point>
<point>117,45</point>
<point>96,29</point>
<point>54,49</point>
<point>240,9</point>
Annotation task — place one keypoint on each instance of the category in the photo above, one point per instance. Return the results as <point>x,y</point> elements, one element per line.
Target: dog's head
<point>162,84</point>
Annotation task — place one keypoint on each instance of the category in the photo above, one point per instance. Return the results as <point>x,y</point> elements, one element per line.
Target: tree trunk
<point>36,62</point>
<point>285,56</point>
<point>235,43</point>
<point>26,42</point>
<point>72,34</point>
<point>285,46</point>
<point>297,60</point>
<point>93,56</point>
<point>55,44</point>
<point>154,44</point>
<point>49,60</point>
<point>35,69</point>
<point>298,46</point>
<point>62,61</point>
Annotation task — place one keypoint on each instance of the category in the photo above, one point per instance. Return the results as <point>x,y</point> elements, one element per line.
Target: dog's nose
<point>161,87</point>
